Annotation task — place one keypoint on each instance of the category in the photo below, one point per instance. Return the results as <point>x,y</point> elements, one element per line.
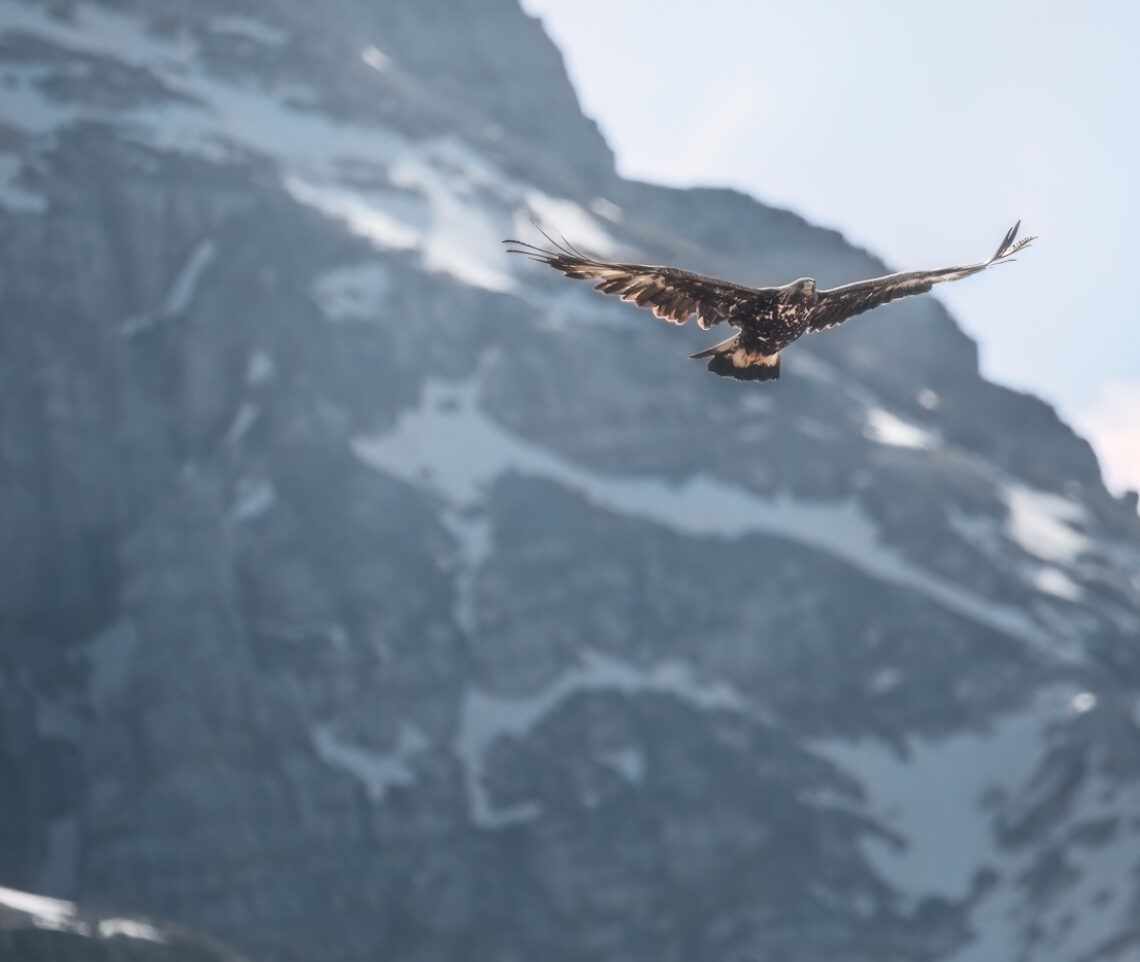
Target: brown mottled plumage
<point>769,318</point>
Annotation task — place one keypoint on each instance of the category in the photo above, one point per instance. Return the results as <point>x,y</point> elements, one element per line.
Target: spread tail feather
<point>731,358</point>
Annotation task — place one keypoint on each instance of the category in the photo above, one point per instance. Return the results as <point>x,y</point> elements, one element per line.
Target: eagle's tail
<point>732,358</point>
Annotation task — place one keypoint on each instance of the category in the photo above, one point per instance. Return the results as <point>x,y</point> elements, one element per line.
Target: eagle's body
<point>768,318</point>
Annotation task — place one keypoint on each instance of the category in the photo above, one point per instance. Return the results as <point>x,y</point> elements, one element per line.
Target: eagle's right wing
<point>671,293</point>
<point>834,306</point>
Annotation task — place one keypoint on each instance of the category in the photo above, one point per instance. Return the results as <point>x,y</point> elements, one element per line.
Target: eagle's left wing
<point>671,293</point>
<point>834,306</point>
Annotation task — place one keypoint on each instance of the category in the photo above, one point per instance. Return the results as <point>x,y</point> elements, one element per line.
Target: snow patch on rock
<point>376,771</point>
<point>353,293</point>
<point>486,718</point>
<point>451,446</point>
<point>1042,524</point>
<point>886,428</point>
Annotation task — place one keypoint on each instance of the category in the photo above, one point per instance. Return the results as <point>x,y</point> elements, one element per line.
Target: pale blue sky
<point>921,132</point>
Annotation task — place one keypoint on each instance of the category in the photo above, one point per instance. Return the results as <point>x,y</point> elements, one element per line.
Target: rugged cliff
<point>367,593</point>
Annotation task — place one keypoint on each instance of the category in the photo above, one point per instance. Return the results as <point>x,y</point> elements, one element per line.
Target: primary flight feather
<point>768,318</point>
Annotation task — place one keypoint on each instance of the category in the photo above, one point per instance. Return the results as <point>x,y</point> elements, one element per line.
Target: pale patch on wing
<point>664,299</point>
<point>645,288</point>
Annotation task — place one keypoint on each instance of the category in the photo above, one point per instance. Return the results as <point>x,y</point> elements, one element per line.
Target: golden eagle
<point>768,318</point>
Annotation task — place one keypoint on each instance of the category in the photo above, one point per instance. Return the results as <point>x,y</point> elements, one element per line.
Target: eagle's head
<point>800,290</point>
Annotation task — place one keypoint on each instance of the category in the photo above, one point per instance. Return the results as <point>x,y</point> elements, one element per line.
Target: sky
<point>922,132</point>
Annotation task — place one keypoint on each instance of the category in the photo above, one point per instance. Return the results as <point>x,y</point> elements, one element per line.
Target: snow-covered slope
<point>366,591</point>
<point>33,927</point>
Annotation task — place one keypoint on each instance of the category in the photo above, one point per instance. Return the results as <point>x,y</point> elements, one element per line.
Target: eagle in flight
<point>768,319</point>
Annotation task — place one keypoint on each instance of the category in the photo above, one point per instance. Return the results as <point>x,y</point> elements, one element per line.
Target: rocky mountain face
<point>368,593</point>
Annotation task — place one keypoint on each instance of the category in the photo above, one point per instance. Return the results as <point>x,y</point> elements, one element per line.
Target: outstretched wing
<point>834,306</point>
<point>672,294</point>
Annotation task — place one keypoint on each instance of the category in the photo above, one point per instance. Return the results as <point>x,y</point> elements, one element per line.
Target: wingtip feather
<point>1008,246</point>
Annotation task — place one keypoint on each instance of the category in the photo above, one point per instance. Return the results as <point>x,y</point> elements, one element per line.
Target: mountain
<point>366,592</point>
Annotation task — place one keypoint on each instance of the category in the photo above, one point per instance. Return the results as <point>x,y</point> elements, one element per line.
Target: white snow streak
<point>450,445</point>
<point>254,497</point>
<point>607,209</point>
<point>460,205</point>
<point>462,240</point>
<point>486,718</point>
<point>1041,524</point>
<point>186,282</point>
<point>565,218</point>
<point>246,416</point>
<point>370,221</point>
<point>931,798</point>
<point>929,399</point>
<point>1082,701</point>
<point>885,428</point>
<point>46,913</point>
<point>1053,581</point>
<point>1083,913</point>
<point>56,914</point>
<point>935,797</point>
<point>377,771</point>
<point>181,293</point>
<point>109,928</point>
<point>375,58</point>
<point>353,293</point>
<point>628,762</point>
